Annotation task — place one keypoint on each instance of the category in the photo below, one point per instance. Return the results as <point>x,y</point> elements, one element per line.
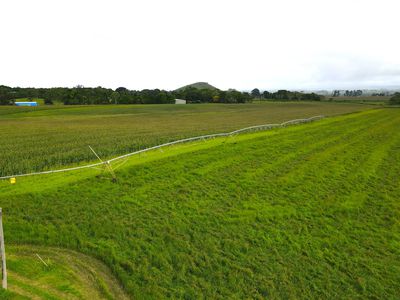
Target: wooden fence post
<point>3,253</point>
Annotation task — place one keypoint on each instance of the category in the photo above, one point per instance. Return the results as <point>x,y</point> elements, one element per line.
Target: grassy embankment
<point>309,211</point>
<point>63,274</point>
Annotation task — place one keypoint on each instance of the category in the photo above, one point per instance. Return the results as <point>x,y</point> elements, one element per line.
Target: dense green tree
<point>121,90</point>
<point>114,97</point>
<point>282,95</point>
<point>354,93</point>
<point>266,95</point>
<point>255,93</point>
<point>6,95</point>
<point>395,100</point>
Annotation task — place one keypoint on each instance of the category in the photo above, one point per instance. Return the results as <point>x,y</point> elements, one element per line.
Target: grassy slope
<point>68,275</point>
<point>45,137</point>
<point>304,212</point>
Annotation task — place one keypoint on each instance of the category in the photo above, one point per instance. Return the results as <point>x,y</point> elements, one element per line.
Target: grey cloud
<point>351,70</point>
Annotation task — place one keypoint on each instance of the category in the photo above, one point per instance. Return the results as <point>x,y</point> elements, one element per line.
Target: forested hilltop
<point>99,95</point>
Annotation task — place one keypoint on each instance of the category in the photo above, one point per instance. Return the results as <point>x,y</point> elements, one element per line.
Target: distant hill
<point>199,85</point>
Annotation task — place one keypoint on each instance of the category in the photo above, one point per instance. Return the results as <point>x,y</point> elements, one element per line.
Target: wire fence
<point>202,137</point>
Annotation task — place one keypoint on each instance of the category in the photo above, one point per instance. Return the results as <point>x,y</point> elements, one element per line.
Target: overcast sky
<point>311,44</point>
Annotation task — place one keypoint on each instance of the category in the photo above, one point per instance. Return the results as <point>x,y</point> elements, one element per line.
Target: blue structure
<point>26,104</point>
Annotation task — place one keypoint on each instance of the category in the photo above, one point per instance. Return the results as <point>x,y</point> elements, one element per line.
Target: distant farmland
<point>46,137</point>
<point>304,212</point>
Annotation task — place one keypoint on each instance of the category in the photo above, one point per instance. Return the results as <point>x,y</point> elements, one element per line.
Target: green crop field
<point>305,212</point>
<point>46,137</point>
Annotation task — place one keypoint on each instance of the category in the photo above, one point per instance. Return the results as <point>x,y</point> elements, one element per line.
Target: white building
<point>180,101</point>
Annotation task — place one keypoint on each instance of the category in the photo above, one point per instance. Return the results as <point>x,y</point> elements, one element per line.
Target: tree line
<point>347,93</point>
<point>81,95</point>
<point>284,95</point>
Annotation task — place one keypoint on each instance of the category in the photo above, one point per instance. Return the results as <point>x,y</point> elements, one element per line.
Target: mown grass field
<point>309,211</point>
<point>45,137</point>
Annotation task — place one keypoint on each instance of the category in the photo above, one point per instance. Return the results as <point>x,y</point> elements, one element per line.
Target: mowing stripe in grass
<point>204,137</point>
<point>53,138</point>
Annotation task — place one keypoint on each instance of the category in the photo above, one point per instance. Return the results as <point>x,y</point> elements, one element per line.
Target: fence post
<point>3,253</point>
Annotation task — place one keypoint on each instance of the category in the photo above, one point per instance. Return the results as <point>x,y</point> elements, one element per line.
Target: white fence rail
<point>202,137</point>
